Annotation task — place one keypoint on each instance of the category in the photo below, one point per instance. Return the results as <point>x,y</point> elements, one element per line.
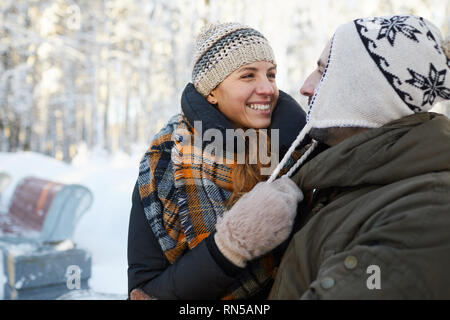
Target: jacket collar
<point>408,147</point>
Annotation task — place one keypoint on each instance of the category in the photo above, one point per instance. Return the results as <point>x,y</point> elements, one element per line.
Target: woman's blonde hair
<point>245,176</point>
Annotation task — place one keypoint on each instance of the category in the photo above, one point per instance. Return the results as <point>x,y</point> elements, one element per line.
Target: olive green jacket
<point>378,226</point>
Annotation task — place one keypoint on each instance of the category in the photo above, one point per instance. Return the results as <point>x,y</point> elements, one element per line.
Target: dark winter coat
<point>378,226</point>
<point>201,272</point>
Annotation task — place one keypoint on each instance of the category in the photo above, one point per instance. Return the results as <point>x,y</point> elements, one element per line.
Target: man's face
<point>313,79</point>
<point>328,136</point>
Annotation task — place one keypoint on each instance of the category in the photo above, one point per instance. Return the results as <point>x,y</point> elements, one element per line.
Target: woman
<point>181,245</point>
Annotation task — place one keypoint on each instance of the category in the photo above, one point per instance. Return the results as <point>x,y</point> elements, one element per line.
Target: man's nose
<point>308,87</point>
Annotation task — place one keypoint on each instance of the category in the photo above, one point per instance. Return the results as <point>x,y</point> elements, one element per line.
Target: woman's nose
<point>265,87</point>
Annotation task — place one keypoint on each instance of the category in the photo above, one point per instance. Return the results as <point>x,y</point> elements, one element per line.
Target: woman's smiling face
<point>248,96</point>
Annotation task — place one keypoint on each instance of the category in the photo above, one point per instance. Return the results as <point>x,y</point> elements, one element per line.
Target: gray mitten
<point>259,221</point>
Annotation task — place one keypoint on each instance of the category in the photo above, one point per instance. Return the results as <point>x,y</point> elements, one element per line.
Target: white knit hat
<point>221,49</point>
<point>379,69</point>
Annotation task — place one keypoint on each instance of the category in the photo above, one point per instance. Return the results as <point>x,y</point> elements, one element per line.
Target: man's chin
<point>334,135</point>
<point>320,134</point>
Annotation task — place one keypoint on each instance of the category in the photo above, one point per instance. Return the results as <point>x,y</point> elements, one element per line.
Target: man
<point>377,224</point>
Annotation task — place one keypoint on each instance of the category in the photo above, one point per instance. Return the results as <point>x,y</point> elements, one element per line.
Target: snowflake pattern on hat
<point>433,85</point>
<point>396,24</point>
<point>417,84</point>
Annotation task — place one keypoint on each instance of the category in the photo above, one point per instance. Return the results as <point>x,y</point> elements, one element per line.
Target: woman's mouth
<point>259,107</point>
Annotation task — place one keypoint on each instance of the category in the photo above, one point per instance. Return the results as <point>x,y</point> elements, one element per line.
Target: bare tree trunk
<point>126,140</point>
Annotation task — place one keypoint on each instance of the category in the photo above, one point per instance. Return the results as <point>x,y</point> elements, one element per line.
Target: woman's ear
<point>211,98</point>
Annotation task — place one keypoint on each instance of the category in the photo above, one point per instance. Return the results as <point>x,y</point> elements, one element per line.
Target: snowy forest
<point>97,73</point>
<point>85,85</point>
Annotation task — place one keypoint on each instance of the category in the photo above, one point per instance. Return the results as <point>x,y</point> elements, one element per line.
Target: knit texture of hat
<point>379,69</point>
<point>223,48</point>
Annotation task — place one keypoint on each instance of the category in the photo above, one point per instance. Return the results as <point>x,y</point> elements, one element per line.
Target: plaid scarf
<point>184,191</point>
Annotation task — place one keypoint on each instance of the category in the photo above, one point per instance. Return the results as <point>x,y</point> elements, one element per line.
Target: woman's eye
<point>246,76</point>
<point>272,75</point>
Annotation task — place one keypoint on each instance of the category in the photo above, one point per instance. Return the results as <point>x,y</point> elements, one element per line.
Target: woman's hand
<point>259,221</point>
<point>138,294</point>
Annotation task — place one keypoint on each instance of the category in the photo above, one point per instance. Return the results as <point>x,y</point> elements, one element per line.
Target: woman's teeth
<point>259,106</point>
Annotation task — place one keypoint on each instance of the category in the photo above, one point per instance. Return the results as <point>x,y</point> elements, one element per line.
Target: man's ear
<point>211,98</point>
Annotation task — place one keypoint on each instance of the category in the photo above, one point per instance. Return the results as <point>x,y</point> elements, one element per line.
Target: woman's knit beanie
<point>220,49</point>
<point>379,69</point>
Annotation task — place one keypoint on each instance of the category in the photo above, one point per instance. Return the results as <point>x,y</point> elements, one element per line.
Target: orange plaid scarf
<point>184,191</point>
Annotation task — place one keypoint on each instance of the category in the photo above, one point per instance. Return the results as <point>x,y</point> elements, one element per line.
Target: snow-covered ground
<point>103,229</point>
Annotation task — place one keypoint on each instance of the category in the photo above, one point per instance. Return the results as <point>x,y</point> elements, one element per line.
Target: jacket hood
<point>287,116</point>
<point>411,146</point>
